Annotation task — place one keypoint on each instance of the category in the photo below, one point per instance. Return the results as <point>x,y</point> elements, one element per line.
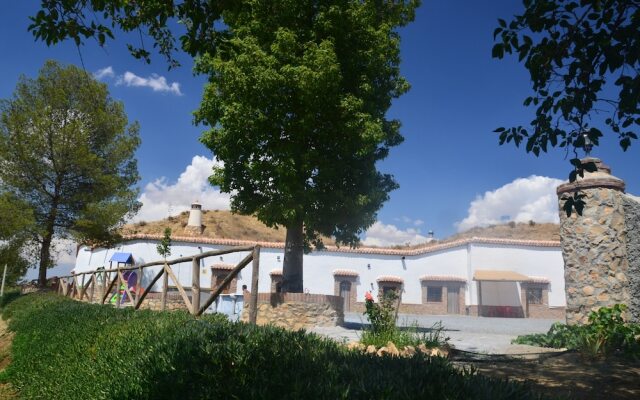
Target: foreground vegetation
<point>71,350</point>
<point>382,317</point>
<point>606,334</point>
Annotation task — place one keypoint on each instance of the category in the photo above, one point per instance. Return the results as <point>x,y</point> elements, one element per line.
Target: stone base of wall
<point>546,312</point>
<point>540,312</point>
<point>153,301</point>
<point>297,310</point>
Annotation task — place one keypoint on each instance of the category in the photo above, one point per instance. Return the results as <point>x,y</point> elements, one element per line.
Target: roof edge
<point>360,250</point>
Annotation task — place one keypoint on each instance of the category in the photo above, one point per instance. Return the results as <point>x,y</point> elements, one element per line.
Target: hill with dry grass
<point>224,224</point>
<point>512,230</point>
<point>217,224</point>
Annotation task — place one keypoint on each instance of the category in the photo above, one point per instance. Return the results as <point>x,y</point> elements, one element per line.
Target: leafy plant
<point>164,247</point>
<point>383,329</point>
<point>65,349</point>
<point>606,333</point>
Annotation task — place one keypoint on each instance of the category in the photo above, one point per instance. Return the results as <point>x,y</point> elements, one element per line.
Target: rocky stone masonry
<point>594,245</point>
<point>632,224</point>
<point>297,310</point>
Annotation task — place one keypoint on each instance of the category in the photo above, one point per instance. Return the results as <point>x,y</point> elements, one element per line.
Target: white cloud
<point>524,199</point>
<point>156,82</point>
<point>389,235</point>
<point>418,222</point>
<point>161,199</point>
<point>106,72</point>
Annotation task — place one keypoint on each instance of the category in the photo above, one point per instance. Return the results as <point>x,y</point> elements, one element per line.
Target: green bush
<point>69,350</point>
<point>606,333</point>
<point>383,329</point>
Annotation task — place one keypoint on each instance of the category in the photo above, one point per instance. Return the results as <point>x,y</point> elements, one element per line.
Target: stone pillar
<point>632,225</point>
<point>594,244</point>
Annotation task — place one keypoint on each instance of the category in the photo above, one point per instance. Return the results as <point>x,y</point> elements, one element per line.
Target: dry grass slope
<point>524,231</point>
<point>224,224</point>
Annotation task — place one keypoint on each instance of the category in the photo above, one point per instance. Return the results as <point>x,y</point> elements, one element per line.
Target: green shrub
<point>383,329</point>
<point>69,350</point>
<point>606,333</point>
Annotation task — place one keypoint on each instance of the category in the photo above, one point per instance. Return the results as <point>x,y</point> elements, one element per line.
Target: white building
<point>479,276</point>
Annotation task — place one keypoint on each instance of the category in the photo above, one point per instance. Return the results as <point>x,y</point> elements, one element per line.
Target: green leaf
<point>497,51</point>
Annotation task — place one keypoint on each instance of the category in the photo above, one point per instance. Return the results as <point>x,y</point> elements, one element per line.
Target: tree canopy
<point>583,58</point>
<point>296,105</point>
<point>67,154</point>
<point>296,100</point>
<point>157,20</point>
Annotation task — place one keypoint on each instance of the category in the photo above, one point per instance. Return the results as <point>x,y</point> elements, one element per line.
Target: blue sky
<point>449,159</point>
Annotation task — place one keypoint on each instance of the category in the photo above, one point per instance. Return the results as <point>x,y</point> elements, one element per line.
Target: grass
<point>64,349</point>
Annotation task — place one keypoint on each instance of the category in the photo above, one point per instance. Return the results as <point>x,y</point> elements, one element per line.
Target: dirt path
<point>6,338</point>
<point>570,376</point>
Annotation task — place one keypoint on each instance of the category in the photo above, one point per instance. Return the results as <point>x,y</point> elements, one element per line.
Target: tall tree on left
<point>67,153</point>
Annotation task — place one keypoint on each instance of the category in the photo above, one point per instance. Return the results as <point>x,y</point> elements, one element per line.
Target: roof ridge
<point>359,250</point>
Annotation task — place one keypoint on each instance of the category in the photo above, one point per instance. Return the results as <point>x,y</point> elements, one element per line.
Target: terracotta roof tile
<point>223,266</point>
<point>443,278</point>
<point>345,272</point>
<point>390,278</point>
<point>538,279</point>
<point>430,248</point>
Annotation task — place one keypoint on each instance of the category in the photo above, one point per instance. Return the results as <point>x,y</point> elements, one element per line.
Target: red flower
<point>368,296</point>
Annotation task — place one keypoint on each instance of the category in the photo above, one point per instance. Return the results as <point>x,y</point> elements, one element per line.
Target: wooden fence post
<point>253,303</point>
<point>138,284</point>
<point>118,284</point>
<point>93,287</point>
<point>165,287</point>
<point>195,286</point>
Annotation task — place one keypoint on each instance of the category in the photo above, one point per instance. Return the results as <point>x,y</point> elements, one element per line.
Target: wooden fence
<point>84,284</point>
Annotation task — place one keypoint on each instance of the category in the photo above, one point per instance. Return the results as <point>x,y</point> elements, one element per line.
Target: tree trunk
<point>292,265</point>
<point>45,255</point>
<point>47,237</point>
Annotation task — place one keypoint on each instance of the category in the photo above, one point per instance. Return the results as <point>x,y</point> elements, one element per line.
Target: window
<point>434,294</point>
<point>534,295</point>
<point>388,289</point>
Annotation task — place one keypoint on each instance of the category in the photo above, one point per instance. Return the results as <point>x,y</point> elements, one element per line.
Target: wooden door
<point>219,279</point>
<point>453,303</point>
<point>345,293</point>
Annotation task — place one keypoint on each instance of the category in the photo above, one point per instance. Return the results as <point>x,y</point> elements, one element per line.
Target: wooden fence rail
<point>77,285</point>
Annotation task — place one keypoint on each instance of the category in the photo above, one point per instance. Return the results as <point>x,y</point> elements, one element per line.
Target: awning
<point>221,266</point>
<point>126,258</point>
<point>495,275</point>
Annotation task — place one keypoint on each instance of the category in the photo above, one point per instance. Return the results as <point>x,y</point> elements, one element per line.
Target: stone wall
<point>594,244</point>
<point>631,206</point>
<point>153,301</point>
<point>297,310</point>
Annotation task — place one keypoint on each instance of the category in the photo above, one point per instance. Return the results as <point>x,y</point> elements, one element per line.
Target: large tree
<point>583,58</point>
<point>296,101</point>
<point>67,152</point>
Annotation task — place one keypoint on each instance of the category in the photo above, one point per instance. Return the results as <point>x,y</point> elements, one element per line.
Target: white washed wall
<point>545,262</point>
<point>459,261</point>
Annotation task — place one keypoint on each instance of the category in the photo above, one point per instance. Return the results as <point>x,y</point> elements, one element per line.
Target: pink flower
<point>368,296</point>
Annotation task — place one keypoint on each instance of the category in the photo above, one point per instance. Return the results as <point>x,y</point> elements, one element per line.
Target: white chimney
<point>194,225</point>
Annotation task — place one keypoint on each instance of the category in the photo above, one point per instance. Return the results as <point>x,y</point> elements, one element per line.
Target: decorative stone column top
<point>601,178</point>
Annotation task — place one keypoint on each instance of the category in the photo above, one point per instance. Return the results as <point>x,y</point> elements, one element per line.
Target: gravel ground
<point>475,334</point>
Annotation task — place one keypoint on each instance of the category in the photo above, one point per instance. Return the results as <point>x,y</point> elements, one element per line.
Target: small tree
<point>164,247</point>
<point>67,154</point>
